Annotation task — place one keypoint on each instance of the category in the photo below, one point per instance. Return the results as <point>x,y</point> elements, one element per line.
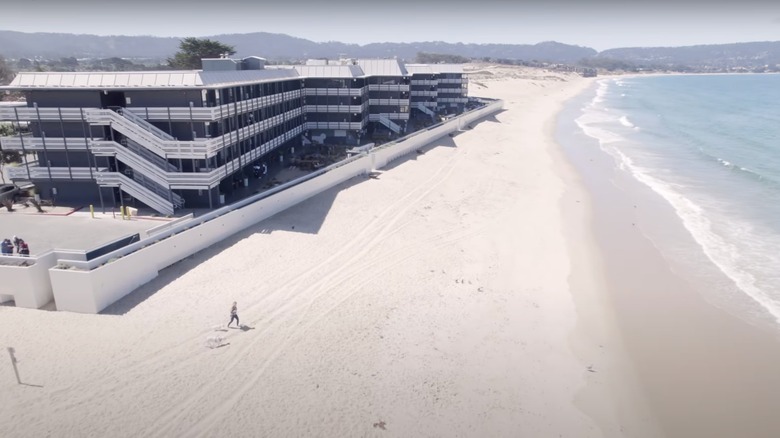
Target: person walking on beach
<point>234,315</point>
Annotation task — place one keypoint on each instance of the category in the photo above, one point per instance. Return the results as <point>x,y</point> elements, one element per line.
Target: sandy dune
<point>432,300</point>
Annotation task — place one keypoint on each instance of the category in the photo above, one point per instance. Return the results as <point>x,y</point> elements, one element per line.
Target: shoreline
<point>686,352</point>
<point>627,412</point>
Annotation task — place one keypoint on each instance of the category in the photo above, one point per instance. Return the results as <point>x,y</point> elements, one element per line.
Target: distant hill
<point>716,56</point>
<point>63,45</point>
<point>273,46</point>
<point>269,45</point>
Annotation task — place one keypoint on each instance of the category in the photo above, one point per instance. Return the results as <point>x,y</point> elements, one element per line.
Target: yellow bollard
<point>92,211</point>
<point>122,211</point>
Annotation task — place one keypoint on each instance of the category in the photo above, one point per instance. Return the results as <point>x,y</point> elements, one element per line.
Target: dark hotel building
<point>170,139</point>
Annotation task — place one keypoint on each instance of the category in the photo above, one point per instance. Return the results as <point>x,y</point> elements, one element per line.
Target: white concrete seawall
<point>84,286</point>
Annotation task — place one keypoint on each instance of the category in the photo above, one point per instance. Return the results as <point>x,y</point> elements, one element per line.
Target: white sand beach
<point>436,299</point>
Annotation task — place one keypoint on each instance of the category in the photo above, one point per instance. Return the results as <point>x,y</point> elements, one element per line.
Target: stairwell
<point>390,124</point>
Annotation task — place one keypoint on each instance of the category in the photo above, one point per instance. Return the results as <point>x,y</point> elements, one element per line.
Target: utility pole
<point>11,352</point>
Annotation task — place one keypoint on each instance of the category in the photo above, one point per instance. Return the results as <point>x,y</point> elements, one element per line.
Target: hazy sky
<point>600,24</point>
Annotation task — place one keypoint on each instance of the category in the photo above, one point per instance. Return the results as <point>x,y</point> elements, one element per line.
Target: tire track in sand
<point>367,239</point>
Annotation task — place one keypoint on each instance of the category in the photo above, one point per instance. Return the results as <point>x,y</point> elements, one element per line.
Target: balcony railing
<point>26,114</point>
<point>425,93</point>
<point>355,109</point>
<point>136,190</point>
<point>393,102</point>
<point>453,100</point>
<point>336,125</point>
<point>214,113</point>
<point>335,91</point>
<point>37,172</point>
<point>391,116</point>
<point>199,148</point>
<point>430,82</point>
<point>197,114</point>
<point>37,143</point>
<point>393,87</point>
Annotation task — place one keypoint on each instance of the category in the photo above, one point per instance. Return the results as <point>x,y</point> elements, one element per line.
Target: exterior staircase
<point>136,190</point>
<point>425,110</point>
<point>390,124</point>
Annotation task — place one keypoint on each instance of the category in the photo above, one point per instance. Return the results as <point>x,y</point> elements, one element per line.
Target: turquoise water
<point>710,147</point>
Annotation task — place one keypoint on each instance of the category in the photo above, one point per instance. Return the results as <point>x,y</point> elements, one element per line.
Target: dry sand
<point>434,300</point>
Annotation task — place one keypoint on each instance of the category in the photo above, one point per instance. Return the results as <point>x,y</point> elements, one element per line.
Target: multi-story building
<point>336,102</point>
<point>170,138</point>
<point>441,88</point>
<point>388,95</point>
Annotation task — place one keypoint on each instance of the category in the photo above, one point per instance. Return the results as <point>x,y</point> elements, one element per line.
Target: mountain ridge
<point>283,47</point>
<point>270,45</point>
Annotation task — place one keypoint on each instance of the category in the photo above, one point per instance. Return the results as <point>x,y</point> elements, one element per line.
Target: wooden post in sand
<point>13,362</point>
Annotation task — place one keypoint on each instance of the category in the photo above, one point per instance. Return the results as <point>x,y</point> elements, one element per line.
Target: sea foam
<point>745,252</point>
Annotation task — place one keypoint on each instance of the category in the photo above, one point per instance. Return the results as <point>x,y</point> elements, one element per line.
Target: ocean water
<point>710,147</point>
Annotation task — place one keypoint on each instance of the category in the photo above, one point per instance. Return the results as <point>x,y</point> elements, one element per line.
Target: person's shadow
<point>246,328</point>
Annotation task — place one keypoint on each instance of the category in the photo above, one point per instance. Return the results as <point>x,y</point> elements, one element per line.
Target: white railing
<point>395,102</point>
<point>136,190</point>
<point>213,113</point>
<point>453,100</point>
<point>202,114</point>
<point>425,93</point>
<point>163,192</point>
<point>190,149</point>
<point>190,180</point>
<point>424,109</point>
<point>125,155</point>
<point>47,114</point>
<point>392,87</point>
<point>31,143</point>
<point>335,91</point>
<point>355,109</point>
<point>390,124</point>
<point>196,149</point>
<point>391,116</point>
<point>336,125</point>
<point>138,120</point>
<point>148,155</point>
<point>433,82</point>
<point>453,81</point>
<point>40,172</point>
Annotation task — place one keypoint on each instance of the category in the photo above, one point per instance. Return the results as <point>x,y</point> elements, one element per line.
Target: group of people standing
<point>8,245</point>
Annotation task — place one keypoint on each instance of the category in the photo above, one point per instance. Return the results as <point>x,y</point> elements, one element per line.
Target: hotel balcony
<point>393,87</point>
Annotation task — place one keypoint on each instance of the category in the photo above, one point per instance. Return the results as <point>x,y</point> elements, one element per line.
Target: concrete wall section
<point>28,285</point>
<point>93,291</point>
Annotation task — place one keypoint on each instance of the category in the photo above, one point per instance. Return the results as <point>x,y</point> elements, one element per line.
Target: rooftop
<point>189,79</point>
<point>434,68</point>
<point>329,71</point>
<point>382,67</point>
<point>147,79</point>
